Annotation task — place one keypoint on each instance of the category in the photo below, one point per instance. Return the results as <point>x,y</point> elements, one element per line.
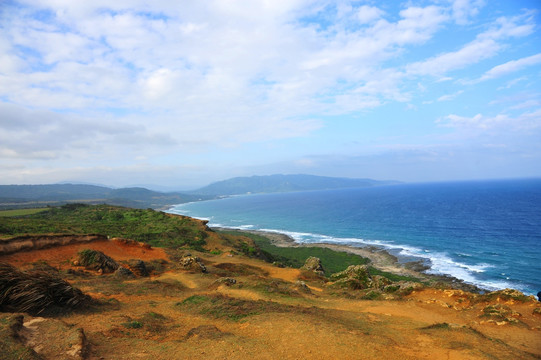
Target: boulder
<point>357,277</point>
<point>193,263</point>
<point>124,273</point>
<point>138,267</point>
<point>95,260</point>
<point>313,264</point>
<point>302,287</point>
<point>51,338</point>
<point>228,281</point>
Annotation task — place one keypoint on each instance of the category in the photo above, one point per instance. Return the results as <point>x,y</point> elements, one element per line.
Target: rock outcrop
<point>358,277</point>
<point>124,273</point>
<point>95,260</point>
<point>49,338</point>
<point>138,267</point>
<point>313,264</point>
<point>193,263</point>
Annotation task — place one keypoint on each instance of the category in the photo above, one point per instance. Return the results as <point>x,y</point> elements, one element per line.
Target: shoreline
<point>379,257</point>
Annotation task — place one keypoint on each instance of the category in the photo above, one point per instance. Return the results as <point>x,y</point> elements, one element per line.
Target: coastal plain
<point>223,300</point>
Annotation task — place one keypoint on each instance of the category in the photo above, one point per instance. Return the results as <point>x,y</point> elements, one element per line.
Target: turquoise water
<point>487,233</point>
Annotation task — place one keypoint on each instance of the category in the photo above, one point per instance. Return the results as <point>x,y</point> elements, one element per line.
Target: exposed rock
<point>313,264</point>
<point>52,339</point>
<point>302,287</point>
<point>124,273</point>
<point>406,287</point>
<point>511,295</point>
<point>138,267</point>
<point>228,281</point>
<point>96,260</point>
<point>355,277</point>
<point>12,346</point>
<point>193,263</point>
<point>500,314</point>
<point>358,277</point>
<point>380,282</point>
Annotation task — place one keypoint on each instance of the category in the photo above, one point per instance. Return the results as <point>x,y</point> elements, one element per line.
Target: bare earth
<point>268,317</point>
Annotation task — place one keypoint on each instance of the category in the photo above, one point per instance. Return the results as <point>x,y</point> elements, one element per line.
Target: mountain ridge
<point>284,183</point>
<point>20,196</point>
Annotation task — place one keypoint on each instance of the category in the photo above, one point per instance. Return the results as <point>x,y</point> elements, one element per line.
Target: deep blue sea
<point>487,233</point>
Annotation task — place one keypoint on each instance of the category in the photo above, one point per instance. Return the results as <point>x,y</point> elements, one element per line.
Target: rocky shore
<point>379,258</point>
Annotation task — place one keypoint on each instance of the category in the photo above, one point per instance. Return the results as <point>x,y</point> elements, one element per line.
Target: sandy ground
<point>427,324</point>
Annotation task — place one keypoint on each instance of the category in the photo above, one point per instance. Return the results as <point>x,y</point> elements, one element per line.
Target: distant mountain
<point>16,196</point>
<point>283,183</point>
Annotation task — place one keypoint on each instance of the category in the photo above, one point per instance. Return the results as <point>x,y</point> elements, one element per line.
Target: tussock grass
<point>36,292</point>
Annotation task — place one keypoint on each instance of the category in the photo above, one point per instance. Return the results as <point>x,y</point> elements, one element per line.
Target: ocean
<point>487,233</point>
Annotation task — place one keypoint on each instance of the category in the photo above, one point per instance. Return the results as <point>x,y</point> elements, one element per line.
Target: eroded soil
<point>178,313</point>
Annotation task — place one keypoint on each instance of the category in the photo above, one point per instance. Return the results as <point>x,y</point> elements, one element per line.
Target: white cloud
<point>449,97</point>
<point>367,14</point>
<point>463,10</point>
<point>511,66</point>
<point>486,45</point>
<point>132,79</point>
<point>501,122</point>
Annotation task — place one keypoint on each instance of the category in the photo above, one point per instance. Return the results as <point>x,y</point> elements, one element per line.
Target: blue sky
<point>181,94</point>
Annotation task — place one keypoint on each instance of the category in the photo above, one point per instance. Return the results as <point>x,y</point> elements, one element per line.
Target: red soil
<point>57,256</point>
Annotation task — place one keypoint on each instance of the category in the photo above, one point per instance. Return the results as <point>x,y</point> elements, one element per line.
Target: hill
<point>21,196</point>
<point>283,183</point>
<point>219,295</point>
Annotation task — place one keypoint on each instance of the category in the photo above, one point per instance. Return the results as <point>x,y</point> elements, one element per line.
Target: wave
<point>440,262</point>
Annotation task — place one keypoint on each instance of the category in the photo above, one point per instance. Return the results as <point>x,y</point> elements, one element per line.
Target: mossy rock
<point>313,264</point>
<point>96,260</point>
<point>358,272</point>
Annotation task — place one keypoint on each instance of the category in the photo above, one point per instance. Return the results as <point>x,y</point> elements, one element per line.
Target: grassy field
<point>153,227</point>
<point>332,261</point>
<point>21,212</point>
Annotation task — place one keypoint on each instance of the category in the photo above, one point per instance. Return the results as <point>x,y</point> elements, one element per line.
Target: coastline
<point>379,258</point>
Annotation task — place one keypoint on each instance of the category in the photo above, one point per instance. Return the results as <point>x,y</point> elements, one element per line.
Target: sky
<point>179,94</point>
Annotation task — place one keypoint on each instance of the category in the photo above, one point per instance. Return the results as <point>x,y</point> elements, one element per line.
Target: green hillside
<point>28,196</point>
<point>153,227</point>
<point>283,183</point>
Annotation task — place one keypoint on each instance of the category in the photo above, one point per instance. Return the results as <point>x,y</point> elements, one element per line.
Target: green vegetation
<point>332,261</point>
<point>283,183</point>
<point>149,226</point>
<point>21,212</point>
<point>132,324</point>
<point>393,277</point>
<point>219,306</point>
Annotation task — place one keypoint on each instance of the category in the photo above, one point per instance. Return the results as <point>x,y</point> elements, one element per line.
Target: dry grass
<point>36,292</point>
